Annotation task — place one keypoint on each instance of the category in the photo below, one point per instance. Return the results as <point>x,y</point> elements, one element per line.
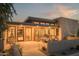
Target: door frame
<point>30,33</point>
<point>8,33</point>
<point>23,35</point>
<point>35,29</point>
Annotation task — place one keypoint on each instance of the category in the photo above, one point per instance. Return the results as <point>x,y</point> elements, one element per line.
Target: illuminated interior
<point>37,30</point>
<point>25,33</point>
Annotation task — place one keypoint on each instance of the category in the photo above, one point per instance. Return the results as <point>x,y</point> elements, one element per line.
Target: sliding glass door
<point>11,34</point>
<point>28,34</point>
<point>39,33</point>
<point>20,34</point>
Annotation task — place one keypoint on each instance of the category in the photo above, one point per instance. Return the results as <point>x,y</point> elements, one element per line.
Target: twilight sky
<point>46,10</point>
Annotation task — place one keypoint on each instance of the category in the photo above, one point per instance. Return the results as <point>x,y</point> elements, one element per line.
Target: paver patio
<point>31,48</point>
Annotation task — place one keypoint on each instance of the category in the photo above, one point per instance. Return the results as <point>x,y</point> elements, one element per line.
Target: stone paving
<point>31,48</point>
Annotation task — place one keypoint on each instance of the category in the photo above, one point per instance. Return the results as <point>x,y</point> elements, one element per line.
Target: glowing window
<point>36,22</point>
<point>47,23</point>
<point>52,24</point>
<point>42,23</point>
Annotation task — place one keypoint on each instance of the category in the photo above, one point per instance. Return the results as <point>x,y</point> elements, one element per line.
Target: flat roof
<point>59,18</point>
<point>21,23</point>
<point>32,19</point>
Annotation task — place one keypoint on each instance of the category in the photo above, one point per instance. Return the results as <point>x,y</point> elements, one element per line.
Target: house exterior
<point>36,29</point>
<point>69,27</point>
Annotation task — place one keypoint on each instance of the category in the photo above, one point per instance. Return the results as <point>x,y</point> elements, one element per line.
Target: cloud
<point>62,11</point>
<point>51,14</point>
<point>65,11</point>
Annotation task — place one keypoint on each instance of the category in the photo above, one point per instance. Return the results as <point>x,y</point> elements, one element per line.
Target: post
<point>1,42</point>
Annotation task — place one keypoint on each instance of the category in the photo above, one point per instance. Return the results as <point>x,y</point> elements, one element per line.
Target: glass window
<point>11,36</point>
<point>52,24</point>
<point>20,33</point>
<point>42,23</point>
<point>28,34</point>
<point>36,22</point>
<point>47,23</point>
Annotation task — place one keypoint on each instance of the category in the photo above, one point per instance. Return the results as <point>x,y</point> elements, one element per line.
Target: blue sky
<point>46,10</point>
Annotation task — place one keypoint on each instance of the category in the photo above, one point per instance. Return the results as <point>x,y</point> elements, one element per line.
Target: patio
<point>31,48</point>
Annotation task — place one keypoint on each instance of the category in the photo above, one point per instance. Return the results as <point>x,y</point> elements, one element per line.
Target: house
<point>69,27</point>
<point>35,29</point>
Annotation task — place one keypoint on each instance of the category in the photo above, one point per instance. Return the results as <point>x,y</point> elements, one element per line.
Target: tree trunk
<point>1,42</point>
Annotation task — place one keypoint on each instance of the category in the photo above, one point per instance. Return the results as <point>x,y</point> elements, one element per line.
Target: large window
<point>39,33</point>
<point>11,35</point>
<point>36,22</point>
<point>28,34</point>
<point>42,23</point>
<point>20,33</point>
<point>47,23</point>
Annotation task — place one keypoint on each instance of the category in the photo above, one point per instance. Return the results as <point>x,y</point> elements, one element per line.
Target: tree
<point>6,13</point>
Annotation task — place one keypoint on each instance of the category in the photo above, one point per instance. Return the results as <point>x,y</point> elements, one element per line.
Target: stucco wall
<point>61,46</point>
<point>68,27</point>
